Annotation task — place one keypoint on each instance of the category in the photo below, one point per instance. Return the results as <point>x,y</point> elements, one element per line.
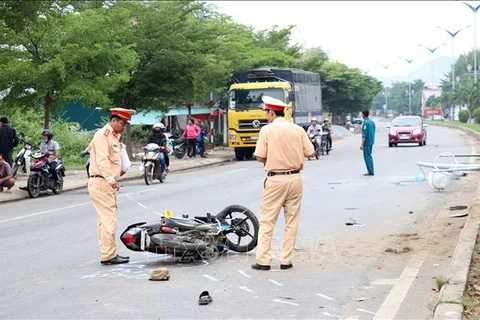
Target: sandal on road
<point>204,298</point>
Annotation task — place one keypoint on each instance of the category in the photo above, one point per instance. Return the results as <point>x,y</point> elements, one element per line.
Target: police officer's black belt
<point>96,176</point>
<point>283,173</point>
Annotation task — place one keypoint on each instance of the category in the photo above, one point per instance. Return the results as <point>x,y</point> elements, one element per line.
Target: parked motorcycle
<point>313,140</point>
<point>179,148</point>
<point>234,228</point>
<point>22,161</point>
<point>40,179</point>
<point>176,145</point>
<point>149,160</point>
<point>87,163</point>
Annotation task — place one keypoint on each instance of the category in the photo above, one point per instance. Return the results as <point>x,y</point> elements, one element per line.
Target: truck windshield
<point>251,99</point>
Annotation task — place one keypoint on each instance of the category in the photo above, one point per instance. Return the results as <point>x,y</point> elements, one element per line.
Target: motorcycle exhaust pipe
<point>165,229</point>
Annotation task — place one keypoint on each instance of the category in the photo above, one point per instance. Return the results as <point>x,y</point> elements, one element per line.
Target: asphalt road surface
<point>383,267</point>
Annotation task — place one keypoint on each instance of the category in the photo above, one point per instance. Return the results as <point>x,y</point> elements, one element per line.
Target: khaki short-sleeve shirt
<point>105,154</point>
<point>284,144</point>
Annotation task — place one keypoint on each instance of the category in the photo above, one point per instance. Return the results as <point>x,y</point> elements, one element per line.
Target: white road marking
<point>244,274</point>
<point>392,303</point>
<point>45,212</point>
<point>332,315</point>
<point>324,296</point>
<point>286,302</point>
<point>245,289</point>
<point>233,171</point>
<point>211,278</point>
<point>275,282</point>
<point>366,311</point>
<point>385,282</point>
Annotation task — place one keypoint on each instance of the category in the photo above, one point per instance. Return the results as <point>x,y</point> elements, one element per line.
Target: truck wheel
<point>239,154</point>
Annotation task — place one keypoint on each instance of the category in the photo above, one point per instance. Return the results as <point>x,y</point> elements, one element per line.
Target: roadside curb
<point>451,294</point>
<point>82,182</point>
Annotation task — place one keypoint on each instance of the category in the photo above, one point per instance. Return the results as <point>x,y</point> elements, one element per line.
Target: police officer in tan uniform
<point>282,146</point>
<point>105,168</point>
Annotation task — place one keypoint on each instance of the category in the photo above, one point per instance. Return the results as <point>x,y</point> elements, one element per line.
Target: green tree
<point>62,55</point>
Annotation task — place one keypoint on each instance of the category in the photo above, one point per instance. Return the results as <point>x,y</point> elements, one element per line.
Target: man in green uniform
<point>368,140</point>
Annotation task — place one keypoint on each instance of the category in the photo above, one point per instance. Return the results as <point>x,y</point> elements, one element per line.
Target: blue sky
<point>368,34</point>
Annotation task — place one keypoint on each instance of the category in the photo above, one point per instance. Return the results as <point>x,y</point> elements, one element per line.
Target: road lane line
<point>245,288</point>
<point>45,212</point>
<point>244,274</point>
<point>332,315</point>
<point>324,296</point>
<point>211,278</point>
<point>392,303</point>
<point>275,282</point>
<point>366,311</point>
<point>286,302</point>
<point>233,171</point>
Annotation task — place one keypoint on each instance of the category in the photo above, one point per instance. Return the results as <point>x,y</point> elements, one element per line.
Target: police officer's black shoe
<point>116,260</point>
<point>257,266</point>
<point>123,257</point>
<point>368,174</point>
<point>286,266</point>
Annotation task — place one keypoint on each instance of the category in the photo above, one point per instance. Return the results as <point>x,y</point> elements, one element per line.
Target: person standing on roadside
<point>368,140</point>
<point>191,132</point>
<point>105,169</point>
<point>8,140</point>
<point>282,146</point>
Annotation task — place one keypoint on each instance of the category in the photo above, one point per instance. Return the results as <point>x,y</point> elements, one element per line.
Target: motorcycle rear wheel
<point>180,153</point>
<point>33,186</point>
<point>244,225</point>
<point>148,174</point>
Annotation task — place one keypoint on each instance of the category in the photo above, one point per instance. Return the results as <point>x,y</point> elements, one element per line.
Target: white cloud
<point>366,34</point>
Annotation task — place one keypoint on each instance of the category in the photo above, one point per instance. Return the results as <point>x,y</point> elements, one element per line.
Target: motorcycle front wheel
<point>148,173</point>
<point>17,167</point>
<point>33,186</point>
<point>242,236</point>
<point>58,188</point>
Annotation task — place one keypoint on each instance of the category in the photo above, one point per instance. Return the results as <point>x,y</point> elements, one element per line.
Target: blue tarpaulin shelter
<point>153,116</point>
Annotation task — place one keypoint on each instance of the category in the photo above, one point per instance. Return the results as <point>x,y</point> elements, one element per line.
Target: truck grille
<point>252,124</point>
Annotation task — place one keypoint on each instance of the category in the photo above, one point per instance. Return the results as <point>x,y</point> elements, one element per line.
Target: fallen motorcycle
<point>234,228</point>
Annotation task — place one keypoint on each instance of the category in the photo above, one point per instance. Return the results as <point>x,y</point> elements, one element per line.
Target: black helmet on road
<point>48,133</point>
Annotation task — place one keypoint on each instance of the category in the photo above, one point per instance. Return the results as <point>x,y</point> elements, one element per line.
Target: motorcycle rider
<point>316,130</point>
<point>53,148</point>
<point>158,136</point>
<point>327,127</point>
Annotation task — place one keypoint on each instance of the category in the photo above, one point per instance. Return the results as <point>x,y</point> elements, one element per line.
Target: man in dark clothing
<point>157,136</point>
<point>8,140</point>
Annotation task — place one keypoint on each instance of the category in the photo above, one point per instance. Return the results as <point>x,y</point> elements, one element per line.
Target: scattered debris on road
<point>353,222</point>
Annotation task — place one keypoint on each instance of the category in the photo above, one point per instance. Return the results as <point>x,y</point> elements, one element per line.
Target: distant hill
<point>442,65</point>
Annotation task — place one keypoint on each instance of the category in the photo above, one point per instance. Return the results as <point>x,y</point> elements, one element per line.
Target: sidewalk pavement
<point>77,179</point>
